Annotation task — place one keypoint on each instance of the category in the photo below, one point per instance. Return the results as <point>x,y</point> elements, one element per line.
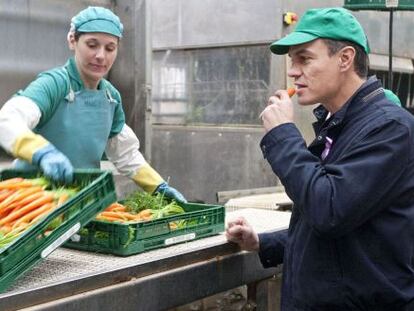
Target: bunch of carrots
<point>24,202</point>
<point>117,212</point>
<point>124,213</point>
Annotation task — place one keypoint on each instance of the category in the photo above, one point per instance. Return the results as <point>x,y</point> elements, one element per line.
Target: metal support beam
<point>157,291</point>
<point>390,49</point>
<point>131,73</point>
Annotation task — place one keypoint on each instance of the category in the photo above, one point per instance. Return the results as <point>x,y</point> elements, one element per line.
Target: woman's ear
<point>71,40</point>
<point>346,58</point>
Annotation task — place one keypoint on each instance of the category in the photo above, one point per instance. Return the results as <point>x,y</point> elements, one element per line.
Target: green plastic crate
<point>198,221</point>
<point>379,4</point>
<point>34,245</point>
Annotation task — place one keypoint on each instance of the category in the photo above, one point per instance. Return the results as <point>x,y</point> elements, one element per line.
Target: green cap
<point>97,19</point>
<point>330,23</point>
<point>390,95</point>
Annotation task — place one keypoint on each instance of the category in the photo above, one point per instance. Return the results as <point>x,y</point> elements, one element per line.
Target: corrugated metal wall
<point>199,160</point>
<point>182,23</point>
<point>33,36</point>
<point>203,160</point>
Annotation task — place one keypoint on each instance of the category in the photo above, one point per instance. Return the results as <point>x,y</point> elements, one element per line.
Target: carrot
<point>18,185</point>
<point>19,197</point>
<point>62,198</point>
<point>25,183</point>
<point>61,195</point>
<point>291,91</point>
<point>17,205</point>
<point>11,181</point>
<point>107,218</point>
<point>173,225</point>
<point>48,197</point>
<point>146,213</point>
<point>120,209</point>
<point>22,225</point>
<point>114,215</point>
<point>10,199</point>
<point>5,193</point>
<point>127,215</point>
<point>5,229</point>
<point>116,207</point>
<point>33,214</point>
<point>13,234</point>
<point>38,217</point>
<point>4,213</point>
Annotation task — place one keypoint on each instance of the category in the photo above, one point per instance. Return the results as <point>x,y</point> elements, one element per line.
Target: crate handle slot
<point>62,239</point>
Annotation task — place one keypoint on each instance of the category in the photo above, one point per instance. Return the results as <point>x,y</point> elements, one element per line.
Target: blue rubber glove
<point>54,164</point>
<point>170,192</point>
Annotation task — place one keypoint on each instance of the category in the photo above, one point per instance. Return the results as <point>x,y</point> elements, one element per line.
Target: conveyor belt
<point>68,264</point>
<point>84,270</point>
<point>270,201</point>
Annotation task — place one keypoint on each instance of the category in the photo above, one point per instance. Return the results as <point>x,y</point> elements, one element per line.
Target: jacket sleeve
<point>272,248</point>
<point>337,197</point>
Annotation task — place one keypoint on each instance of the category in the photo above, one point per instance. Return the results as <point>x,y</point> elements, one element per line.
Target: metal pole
<point>390,50</point>
<point>148,79</point>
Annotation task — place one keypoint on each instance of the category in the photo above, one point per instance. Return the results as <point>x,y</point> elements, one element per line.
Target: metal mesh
<point>270,201</point>
<point>64,264</point>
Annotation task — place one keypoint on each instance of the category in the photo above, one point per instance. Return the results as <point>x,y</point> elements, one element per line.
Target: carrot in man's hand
<point>291,91</point>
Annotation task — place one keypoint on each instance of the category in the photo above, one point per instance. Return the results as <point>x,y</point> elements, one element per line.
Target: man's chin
<point>304,102</point>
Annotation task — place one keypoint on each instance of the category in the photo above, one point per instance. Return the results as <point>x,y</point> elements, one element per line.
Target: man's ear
<point>346,58</point>
<point>71,41</point>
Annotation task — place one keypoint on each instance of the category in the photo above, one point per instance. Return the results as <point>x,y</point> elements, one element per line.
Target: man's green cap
<point>97,19</point>
<point>330,23</point>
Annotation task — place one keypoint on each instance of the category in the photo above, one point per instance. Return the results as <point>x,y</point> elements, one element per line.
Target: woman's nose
<point>100,53</point>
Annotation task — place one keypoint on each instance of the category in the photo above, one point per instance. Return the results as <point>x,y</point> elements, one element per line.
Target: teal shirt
<point>52,86</point>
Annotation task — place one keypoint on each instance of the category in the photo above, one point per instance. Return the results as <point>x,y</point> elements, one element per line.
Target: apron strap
<point>70,97</point>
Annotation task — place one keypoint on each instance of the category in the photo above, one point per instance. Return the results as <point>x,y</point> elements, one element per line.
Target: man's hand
<point>239,231</point>
<point>278,111</point>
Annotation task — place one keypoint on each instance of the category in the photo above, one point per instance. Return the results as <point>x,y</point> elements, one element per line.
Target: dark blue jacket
<point>350,243</point>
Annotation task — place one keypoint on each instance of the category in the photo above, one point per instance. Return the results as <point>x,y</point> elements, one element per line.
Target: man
<point>350,243</point>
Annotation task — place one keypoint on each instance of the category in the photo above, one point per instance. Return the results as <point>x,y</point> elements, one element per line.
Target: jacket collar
<point>367,91</point>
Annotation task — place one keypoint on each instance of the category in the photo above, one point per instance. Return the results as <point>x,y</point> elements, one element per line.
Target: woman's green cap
<point>329,23</point>
<point>97,19</point>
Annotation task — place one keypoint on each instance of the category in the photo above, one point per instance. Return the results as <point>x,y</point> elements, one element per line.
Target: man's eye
<point>305,60</point>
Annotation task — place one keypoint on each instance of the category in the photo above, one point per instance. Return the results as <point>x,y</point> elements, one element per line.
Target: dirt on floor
<point>232,300</point>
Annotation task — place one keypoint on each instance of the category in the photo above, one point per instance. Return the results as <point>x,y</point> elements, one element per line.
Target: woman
<point>68,117</point>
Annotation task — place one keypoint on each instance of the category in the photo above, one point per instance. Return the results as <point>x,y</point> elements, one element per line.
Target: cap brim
<point>282,46</point>
<point>100,25</point>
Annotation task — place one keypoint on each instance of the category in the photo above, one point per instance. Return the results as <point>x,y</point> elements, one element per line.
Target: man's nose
<point>294,72</point>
